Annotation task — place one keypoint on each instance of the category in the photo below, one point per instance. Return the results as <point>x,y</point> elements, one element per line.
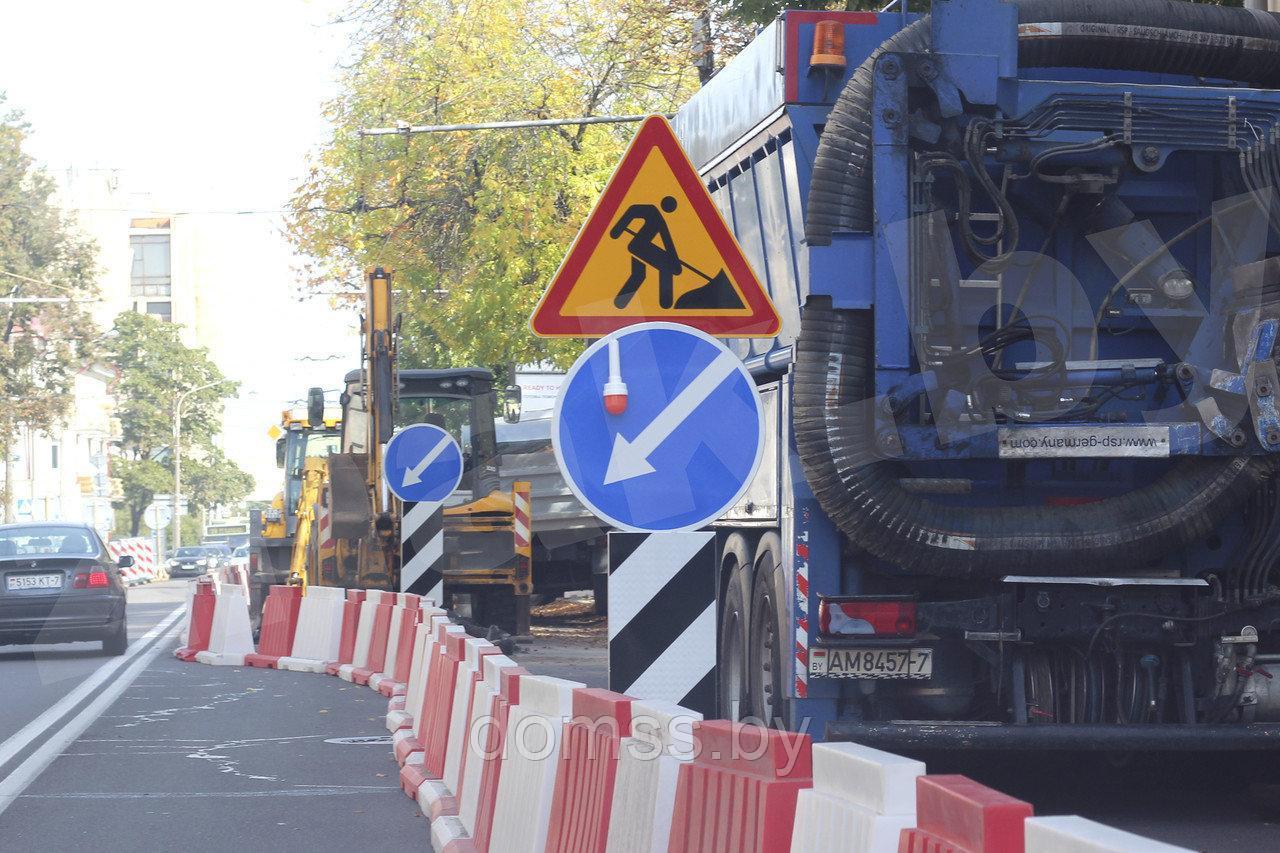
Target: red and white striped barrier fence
<point>143,552</point>
<point>504,761</point>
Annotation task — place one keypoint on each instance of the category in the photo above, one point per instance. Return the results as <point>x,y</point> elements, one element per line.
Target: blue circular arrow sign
<point>658,427</point>
<point>422,463</point>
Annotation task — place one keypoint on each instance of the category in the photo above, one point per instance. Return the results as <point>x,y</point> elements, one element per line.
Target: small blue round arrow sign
<point>658,427</point>
<point>422,463</point>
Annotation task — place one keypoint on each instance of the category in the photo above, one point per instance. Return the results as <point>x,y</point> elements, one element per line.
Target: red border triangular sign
<point>732,303</point>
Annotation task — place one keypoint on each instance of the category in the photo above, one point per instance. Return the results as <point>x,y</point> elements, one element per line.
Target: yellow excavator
<point>300,439</point>
<point>349,531</point>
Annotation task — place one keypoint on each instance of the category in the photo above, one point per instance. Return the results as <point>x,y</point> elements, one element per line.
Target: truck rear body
<point>1018,485</point>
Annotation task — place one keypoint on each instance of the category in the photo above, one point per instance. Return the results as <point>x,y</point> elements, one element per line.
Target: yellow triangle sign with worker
<point>655,248</point>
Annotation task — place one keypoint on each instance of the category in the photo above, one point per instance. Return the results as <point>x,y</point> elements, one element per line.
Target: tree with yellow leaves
<point>475,224</point>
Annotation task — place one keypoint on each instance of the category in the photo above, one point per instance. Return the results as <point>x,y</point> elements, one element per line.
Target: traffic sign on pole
<point>157,515</point>
<point>655,248</point>
<point>423,462</point>
<point>658,427</point>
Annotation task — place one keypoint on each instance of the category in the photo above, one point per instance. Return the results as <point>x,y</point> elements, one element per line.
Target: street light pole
<point>176,529</point>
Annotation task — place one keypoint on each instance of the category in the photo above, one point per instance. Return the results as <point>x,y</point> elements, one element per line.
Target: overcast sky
<point>202,107</point>
<point>214,103</point>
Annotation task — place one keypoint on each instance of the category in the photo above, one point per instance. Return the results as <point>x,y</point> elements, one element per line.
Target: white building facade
<point>64,474</point>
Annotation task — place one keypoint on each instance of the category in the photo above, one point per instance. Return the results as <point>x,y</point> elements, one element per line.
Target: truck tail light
<point>253,561</point>
<point>867,616</point>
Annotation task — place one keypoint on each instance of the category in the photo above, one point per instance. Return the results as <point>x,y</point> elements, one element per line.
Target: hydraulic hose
<point>833,406</point>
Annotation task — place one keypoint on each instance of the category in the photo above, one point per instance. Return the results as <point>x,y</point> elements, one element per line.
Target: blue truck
<point>1018,483</point>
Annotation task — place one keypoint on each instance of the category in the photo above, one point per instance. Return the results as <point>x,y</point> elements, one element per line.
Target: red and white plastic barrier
<point>143,552</point>
<point>279,623</point>
<point>502,760</point>
<point>384,607</point>
<point>583,800</point>
<point>1074,834</point>
<point>437,695</point>
<point>437,798</point>
<point>472,828</point>
<point>364,635</point>
<point>404,619</point>
<point>861,800</point>
<point>958,815</point>
<point>739,791</point>
<point>349,638</point>
<point>319,631</point>
<point>534,736</point>
<point>434,735</point>
<point>234,574</point>
<point>402,711</point>
<point>230,638</point>
<point>661,740</point>
<point>201,603</point>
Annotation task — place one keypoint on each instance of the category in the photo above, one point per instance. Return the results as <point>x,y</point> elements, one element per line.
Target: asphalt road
<point>146,752</point>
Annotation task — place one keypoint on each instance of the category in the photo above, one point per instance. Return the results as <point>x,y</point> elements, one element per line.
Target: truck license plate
<point>16,582</point>
<point>871,663</point>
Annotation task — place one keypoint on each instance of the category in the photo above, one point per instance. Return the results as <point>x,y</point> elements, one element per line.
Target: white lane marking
<point>32,730</point>
<point>329,791</point>
<point>139,656</point>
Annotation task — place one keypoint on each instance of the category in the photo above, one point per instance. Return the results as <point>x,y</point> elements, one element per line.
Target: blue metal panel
<point>892,211</point>
<point>743,94</point>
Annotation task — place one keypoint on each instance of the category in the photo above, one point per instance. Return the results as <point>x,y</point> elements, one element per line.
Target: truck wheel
<point>731,669</point>
<point>770,664</point>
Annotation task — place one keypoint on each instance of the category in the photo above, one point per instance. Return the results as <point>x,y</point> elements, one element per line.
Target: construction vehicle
<point>357,542</point>
<point>1022,489</point>
<point>299,437</point>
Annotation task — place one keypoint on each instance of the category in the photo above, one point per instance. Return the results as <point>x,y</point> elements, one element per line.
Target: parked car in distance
<point>240,557</point>
<point>221,552</point>
<point>58,584</point>
<point>192,560</point>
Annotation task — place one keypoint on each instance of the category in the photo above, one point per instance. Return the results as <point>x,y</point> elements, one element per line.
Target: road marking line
<point>328,791</point>
<point>140,655</point>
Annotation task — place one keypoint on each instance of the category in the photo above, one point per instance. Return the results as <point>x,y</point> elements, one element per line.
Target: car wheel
<point>117,641</point>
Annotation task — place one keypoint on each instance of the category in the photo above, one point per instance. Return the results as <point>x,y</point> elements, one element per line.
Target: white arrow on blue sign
<point>422,463</point>
<point>679,439</point>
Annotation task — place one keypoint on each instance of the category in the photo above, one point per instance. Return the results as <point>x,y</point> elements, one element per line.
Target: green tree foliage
<point>475,224</point>
<point>214,479</point>
<point>42,344</point>
<point>155,368</point>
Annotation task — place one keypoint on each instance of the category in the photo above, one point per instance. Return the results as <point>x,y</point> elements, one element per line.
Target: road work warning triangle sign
<point>655,248</point>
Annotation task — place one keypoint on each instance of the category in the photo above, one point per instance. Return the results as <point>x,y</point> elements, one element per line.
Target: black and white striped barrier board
<point>662,617</point>
<point>422,550</point>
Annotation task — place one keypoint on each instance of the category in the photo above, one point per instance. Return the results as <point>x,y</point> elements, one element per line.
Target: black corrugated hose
<point>833,416</point>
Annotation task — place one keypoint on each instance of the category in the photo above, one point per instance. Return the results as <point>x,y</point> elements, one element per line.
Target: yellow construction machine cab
<point>299,435</point>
